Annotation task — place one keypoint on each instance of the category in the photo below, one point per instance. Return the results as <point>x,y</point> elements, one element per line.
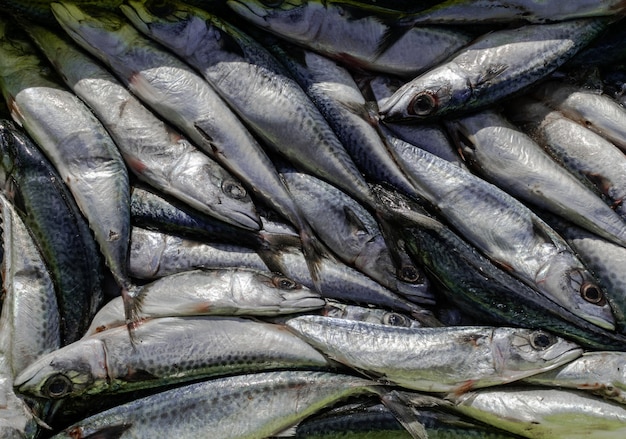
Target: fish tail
<point>272,245</point>
<point>132,309</point>
<point>403,414</point>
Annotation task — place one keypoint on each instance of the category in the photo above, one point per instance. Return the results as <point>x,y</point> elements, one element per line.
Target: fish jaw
<point>67,372</point>
<point>428,95</point>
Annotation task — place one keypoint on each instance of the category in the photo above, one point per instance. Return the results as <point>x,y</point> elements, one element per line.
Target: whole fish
<point>454,359</point>
<point>494,66</point>
<point>156,254</point>
<point>215,48</point>
<point>76,143</point>
<point>154,151</point>
<point>228,291</point>
<point>502,154</point>
<point>154,75</point>
<point>29,322</point>
<point>587,155</point>
<point>60,231</point>
<point>245,406</point>
<point>496,11</point>
<point>508,233</point>
<point>489,294</point>
<point>355,236</point>
<point>167,350</point>
<point>595,111</point>
<point>544,413</point>
<point>353,36</point>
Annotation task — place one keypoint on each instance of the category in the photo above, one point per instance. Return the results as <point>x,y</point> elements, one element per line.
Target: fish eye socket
<point>284,283</point>
<point>422,104</point>
<point>57,386</point>
<point>540,340</point>
<point>395,319</point>
<point>234,189</point>
<point>160,8</point>
<point>409,274</point>
<point>592,294</point>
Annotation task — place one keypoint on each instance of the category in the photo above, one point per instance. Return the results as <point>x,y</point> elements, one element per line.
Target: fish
<point>491,68</point>
<point>595,111</point>
<point>449,359</point>
<point>531,11</point>
<point>587,155</point>
<point>167,350</point>
<point>61,233</point>
<point>226,291</point>
<point>153,74</point>
<point>507,157</point>
<point>368,314</point>
<point>508,233</point>
<point>252,405</point>
<point>353,36</point>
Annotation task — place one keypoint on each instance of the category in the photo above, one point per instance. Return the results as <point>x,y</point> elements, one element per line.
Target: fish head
<point>169,21</point>
<point>298,19</point>
<point>371,315</point>
<point>520,352</point>
<point>431,94</point>
<point>86,25</point>
<point>71,371</point>
<point>575,287</point>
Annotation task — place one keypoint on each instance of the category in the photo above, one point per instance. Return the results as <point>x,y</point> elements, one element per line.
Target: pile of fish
<point>316,219</point>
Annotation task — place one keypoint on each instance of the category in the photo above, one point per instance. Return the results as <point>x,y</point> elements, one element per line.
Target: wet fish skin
<point>507,157</point>
<point>227,291</point>
<point>29,322</point>
<point>353,36</point>
<point>78,146</point>
<point>492,67</point>
<point>245,406</point>
<point>63,236</point>
<point>511,236</point>
<point>167,350</point>
<point>155,75</point>
<point>453,359</point>
<point>597,112</point>
<point>601,373</point>
<point>587,155</point>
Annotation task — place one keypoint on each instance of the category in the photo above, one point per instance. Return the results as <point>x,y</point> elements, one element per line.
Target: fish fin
<point>355,222</point>
<point>393,33</point>
<point>131,298</point>
<point>313,251</point>
<point>272,245</point>
<point>490,73</point>
<point>404,415</point>
<point>602,183</point>
<point>462,388</point>
<point>287,432</point>
<point>110,432</point>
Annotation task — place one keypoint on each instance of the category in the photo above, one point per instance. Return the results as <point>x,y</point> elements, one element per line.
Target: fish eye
<point>160,8</point>
<point>409,273</point>
<point>422,104</point>
<point>592,294</point>
<point>57,386</point>
<point>395,319</point>
<point>272,3</point>
<point>284,283</point>
<point>234,189</point>
<point>540,340</point>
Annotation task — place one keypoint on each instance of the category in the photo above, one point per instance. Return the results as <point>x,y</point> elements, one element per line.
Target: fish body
<point>510,159</point>
<point>244,406</point>
<point>77,144</point>
<point>494,66</point>
<point>453,359</point>
<point>166,350</point>
<point>170,88</point>
<point>508,233</point>
<point>61,233</point>
<point>229,291</point>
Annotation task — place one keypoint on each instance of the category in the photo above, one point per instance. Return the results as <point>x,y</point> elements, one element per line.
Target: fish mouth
<point>246,220</point>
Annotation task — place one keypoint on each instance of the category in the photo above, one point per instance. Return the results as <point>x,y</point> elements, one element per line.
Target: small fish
<point>227,291</point>
<point>595,111</point>
<point>353,36</point>
<point>491,68</point>
<point>245,406</point>
<point>167,350</point>
<point>454,359</point>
